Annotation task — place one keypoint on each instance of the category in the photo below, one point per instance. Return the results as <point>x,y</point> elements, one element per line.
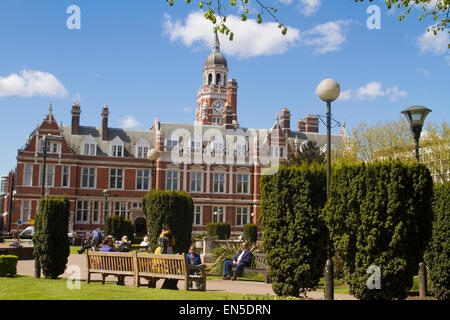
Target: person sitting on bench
<point>243,258</point>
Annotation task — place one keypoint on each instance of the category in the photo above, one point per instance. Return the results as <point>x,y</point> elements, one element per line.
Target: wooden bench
<point>258,265</point>
<point>119,264</point>
<point>152,267</point>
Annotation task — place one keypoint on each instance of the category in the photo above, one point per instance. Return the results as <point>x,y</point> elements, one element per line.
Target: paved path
<point>26,267</point>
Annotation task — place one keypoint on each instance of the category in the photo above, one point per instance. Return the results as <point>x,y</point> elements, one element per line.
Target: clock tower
<point>217,91</point>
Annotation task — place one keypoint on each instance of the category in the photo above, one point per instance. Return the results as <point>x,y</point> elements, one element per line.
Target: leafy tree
<point>438,9</point>
<point>215,11</point>
<point>394,140</point>
<point>51,243</point>
<point>308,153</point>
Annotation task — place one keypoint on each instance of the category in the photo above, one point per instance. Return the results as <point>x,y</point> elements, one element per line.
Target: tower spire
<point>216,43</point>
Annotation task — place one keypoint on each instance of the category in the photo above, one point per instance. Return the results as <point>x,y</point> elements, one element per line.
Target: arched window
<point>218,79</point>
<point>210,79</point>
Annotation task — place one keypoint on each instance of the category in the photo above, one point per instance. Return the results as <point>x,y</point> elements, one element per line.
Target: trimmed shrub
<point>174,208</point>
<point>8,265</point>
<point>118,226</point>
<point>380,214</point>
<point>437,257</point>
<point>219,230</point>
<point>51,243</point>
<point>295,237</point>
<point>250,233</point>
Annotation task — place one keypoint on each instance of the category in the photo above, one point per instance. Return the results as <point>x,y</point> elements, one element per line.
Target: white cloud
<point>345,95</point>
<point>327,37</point>
<point>129,122</point>
<point>309,7</point>
<point>394,93</point>
<point>31,83</point>
<point>434,44</point>
<point>373,90</point>
<point>424,72</point>
<point>250,38</point>
<point>187,109</point>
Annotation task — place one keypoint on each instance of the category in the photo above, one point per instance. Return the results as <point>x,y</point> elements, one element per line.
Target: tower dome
<point>215,57</point>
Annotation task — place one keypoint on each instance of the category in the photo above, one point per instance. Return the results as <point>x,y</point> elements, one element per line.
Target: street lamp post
<point>106,194</point>
<point>416,117</point>
<point>328,91</point>
<point>153,156</point>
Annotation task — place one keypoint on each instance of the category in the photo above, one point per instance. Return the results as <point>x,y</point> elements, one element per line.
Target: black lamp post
<point>328,90</point>
<point>153,156</point>
<point>416,117</point>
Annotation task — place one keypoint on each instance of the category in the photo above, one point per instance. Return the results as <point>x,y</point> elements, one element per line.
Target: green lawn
<point>28,288</point>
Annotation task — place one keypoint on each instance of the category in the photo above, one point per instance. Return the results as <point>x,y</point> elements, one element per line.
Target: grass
<point>29,288</point>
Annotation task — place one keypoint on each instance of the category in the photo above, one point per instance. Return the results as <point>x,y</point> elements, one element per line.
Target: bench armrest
<point>196,266</point>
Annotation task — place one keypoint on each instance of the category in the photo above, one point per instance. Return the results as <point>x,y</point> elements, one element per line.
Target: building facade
<point>215,159</point>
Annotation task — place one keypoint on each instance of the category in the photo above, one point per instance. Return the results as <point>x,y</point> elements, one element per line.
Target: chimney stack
<point>286,121</point>
<point>301,125</point>
<point>227,118</point>
<point>76,111</point>
<point>312,123</point>
<point>105,113</point>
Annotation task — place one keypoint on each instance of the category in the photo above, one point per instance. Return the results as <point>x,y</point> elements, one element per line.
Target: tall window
<point>210,79</point>
<point>49,175</point>
<point>241,216</point>
<point>242,183</point>
<point>218,79</point>
<point>120,209</point>
<point>142,179</point>
<point>115,178</point>
<point>219,182</point>
<point>26,210</point>
<point>218,214</point>
<point>171,180</point>
<point>196,181</point>
<point>82,215</point>
<point>96,212</point>
<point>28,175</point>
<point>197,215</point>
<point>88,178</point>
<point>65,176</point>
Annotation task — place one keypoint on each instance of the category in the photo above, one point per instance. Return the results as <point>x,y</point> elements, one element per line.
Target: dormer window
<point>142,148</point>
<point>117,147</point>
<point>90,146</point>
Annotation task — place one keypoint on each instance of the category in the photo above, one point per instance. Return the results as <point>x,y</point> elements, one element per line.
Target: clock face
<point>218,106</point>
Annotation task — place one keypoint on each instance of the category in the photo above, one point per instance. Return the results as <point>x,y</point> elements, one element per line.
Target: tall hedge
<point>295,237</point>
<point>51,243</point>
<point>117,226</point>
<point>174,208</point>
<point>219,230</point>
<point>250,233</point>
<point>380,214</point>
<point>438,252</point>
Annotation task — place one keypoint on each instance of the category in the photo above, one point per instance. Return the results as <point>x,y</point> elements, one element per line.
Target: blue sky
<point>144,59</point>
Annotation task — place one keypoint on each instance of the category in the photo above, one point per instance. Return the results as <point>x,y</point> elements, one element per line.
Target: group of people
<point>166,243</point>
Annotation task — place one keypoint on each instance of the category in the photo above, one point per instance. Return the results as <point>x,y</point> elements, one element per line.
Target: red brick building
<point>216,160</point>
